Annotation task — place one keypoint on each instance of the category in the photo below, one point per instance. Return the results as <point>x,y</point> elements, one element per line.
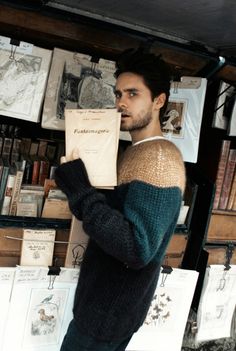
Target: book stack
<point>225,194</point>
<point>27,168</point>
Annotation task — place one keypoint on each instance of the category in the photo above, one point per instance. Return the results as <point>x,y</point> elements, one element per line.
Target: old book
<point>6,148</point>
<point>5,172</point>
<point>28,171</point>
<point>43,170</point>
<point>229,173</point>
<point>224,153</point>
<point>56,208</point>
<point>232,193</point>
<point>15,152</point>
<point>33,148</point>
<point>37,247</point>
<point>35,169</point>
<point>33,194</point>
<point>20,166</point>
<point>95,134</point>
<point>42,147</point>
<point>8,193</point>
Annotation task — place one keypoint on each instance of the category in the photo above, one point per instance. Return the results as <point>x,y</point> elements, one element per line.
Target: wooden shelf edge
<point>224,212</point>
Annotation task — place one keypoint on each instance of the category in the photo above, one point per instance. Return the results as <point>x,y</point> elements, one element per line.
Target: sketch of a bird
<point>43,317</point>
<point>47,299</point>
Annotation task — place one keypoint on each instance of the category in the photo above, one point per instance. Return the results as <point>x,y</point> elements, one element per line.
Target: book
<point>44,166</point>
<point>20,166</point>
<point>28,171</point>
<point>6,148</point>
<point>232,193</point>
<point>33,195</point>
<point>224,153</point>
<point>35,169</point>
<point>95,134</point>
<point>8,193</point>
<point>42,147</point>
<point>229,173</point>
<point>37,247</point>
<point>5,172</point>
<point>15,152</point>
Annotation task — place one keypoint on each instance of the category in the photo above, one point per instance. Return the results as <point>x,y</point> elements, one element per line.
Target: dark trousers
<point>74,341</point>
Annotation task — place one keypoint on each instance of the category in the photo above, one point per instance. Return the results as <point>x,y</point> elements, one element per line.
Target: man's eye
<point>132,93</point>
<point>117,95</point>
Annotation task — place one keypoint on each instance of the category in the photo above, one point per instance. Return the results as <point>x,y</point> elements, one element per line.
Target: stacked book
<point>225,194</point>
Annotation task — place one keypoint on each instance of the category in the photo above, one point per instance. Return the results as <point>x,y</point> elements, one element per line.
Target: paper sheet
<point>217,303</point>
<point>164,326</point>
<point>40,309</point>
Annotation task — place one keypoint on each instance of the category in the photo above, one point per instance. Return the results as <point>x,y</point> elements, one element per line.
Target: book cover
<point>95,133</point>
<point>5,172</point>
<point>229,173</point>
<point>6,148</point>
<point>232,193</point>
<point>20,166</point>
<point>15,152</point>
<point>8,193</point>
<point>44,166</point>
<point>37,247</point>
<point>224,153</point>
<point>35,169</point>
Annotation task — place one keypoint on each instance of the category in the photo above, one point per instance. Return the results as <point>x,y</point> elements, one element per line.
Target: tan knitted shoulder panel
<point>158,162</point>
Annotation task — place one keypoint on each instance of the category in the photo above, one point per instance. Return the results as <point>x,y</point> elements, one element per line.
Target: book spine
<point>15,193</point>
<point>8,194</point>
<point>229,173</point>
<point>43,171</point>
<point>221,171</point>
<point>232,193</point>
<point>35,173</point>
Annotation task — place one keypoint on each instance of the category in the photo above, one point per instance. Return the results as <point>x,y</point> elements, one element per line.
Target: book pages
<point>217,303</point>
<point>40,309</point>
<point>95,134</point>
<point>164,326</point>
<point>37,247</point>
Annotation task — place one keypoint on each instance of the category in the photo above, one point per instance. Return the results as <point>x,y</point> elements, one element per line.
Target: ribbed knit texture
<point>129,233</point>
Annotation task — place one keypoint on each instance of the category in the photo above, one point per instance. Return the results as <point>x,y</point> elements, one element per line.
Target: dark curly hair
<point>154,71</point>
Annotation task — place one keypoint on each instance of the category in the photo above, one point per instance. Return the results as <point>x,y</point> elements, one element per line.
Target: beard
<point>140,123</point>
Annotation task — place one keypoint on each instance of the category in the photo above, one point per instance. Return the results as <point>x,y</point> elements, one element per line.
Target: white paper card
<point>6,282</point>
<point>164,326</point>
<point>217,303</point>
<point>40,309</point>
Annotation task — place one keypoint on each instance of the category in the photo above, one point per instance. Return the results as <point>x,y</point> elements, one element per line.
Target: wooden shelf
<point>34,222</point>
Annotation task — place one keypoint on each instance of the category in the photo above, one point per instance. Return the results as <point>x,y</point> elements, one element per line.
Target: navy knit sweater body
<point>129,231</point>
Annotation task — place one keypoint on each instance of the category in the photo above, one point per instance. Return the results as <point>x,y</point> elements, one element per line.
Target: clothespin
<point>228,255</point>
<point>53,271</point>
<point>165,271</point>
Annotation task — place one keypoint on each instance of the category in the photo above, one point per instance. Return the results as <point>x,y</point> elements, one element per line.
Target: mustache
<point>123,111</point>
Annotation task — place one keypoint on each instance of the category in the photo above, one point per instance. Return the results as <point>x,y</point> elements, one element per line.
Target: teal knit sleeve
<point>141,232</point>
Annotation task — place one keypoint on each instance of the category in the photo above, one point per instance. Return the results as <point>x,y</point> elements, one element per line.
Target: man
<point>129,228</point>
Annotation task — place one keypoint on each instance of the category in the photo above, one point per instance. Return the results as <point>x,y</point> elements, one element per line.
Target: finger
<point>63,159</point>
<point>75,153</point>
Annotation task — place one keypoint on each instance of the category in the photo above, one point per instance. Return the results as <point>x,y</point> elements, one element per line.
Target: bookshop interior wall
<point>57,60</point>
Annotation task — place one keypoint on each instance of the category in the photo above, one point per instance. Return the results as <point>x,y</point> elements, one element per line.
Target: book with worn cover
<point>37,247</point>
<point>227,182</point>
<point>95,134</point>
<point>224,153</point>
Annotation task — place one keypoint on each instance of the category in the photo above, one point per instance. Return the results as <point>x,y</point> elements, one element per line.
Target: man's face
<point>134,101</point>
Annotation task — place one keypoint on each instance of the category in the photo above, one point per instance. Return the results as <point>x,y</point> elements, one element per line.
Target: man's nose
<point>121,104</point>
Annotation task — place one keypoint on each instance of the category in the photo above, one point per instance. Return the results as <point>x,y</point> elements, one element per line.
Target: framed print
<point>182,120</point>
<point>76,83</point>
<point>23,78</point>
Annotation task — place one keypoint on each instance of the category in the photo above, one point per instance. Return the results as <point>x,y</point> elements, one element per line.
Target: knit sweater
<point>129,231</point>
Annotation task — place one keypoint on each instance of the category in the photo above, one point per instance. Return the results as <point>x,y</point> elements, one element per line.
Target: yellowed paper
<point>37,247</point>
<point>95,134</point>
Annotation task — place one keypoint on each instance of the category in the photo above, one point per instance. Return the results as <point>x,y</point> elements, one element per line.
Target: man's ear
<point>159,101</point>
